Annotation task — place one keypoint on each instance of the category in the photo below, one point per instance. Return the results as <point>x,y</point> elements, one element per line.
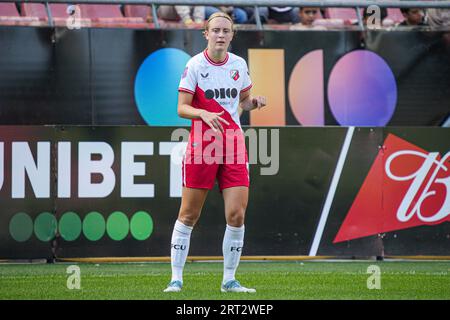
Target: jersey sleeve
<point>188,81</point>
<point>246,82</point>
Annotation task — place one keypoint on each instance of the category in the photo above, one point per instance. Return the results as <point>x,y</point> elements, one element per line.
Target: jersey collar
<point>205,53</point>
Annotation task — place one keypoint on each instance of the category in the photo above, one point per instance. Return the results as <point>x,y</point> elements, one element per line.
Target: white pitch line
<point>331,192</point>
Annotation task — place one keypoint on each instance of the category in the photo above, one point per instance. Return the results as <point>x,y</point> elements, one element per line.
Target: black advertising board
<point>108,191</point>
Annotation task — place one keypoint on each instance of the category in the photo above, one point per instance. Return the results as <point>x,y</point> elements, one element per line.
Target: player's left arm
<point>247,102</point>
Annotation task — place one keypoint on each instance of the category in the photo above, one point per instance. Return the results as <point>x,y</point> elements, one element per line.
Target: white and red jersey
<point>217,86</point>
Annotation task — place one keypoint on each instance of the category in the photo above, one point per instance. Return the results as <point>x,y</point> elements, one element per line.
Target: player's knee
<point>236,217</point>
<point>188,217</point>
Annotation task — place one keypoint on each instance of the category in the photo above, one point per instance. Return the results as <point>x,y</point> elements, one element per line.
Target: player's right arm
<point>186,110</point>
<point>186,91</point>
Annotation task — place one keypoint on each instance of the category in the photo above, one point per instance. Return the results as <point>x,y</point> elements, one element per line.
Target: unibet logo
<point>221,93</point>
<point>70,226</point>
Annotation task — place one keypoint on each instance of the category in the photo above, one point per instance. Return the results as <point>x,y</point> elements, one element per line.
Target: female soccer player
<point>214,84</point>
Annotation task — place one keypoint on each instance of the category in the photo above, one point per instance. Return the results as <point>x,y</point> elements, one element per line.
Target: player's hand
<point>258,102</point>
<point>214,120</point>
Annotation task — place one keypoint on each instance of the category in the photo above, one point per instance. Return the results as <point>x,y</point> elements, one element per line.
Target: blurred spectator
<point>263,14</point>
<point>307,17</point>
<point>189,15</point>
<point>438,17</point>
<point>238,14</point>
<point>284,14</point>
<point>413,17</point>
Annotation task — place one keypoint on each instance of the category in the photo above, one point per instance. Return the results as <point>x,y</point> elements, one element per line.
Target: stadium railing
<point>143,13</point>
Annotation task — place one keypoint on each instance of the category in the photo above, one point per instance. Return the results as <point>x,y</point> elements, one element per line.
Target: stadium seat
<point>9,15</point>
<point>108,15</point>
<point>95,11</point>
<point>138,11</point>
<point>34,10</point>
<point>395,15</point>
<point>348,15</point>
<point>58,11</point>
<point>38,10</point>
<point>340,13</point>
<point>91,15</point>
<point>141,12</point>
<point>8,9</point>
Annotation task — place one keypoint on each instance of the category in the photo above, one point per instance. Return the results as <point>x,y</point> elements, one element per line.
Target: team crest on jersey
<point>234,74</point>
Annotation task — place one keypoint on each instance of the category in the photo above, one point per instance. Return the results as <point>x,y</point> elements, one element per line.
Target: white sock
<point>233,241</point>
<point>181,238</point>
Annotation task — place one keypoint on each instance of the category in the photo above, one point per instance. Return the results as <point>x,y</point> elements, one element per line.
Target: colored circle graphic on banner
<point>21,227</point>
<point>117,226</point>
<point>69,226</point>
<point>45,226</point>
<point>362,90</point>
<point>141,225</point>
<point>94,226</point>
<point>156,87</point>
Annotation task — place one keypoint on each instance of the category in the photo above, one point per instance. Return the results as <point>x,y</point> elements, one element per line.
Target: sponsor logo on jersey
<point>204,76</point>
<point>221,93</point>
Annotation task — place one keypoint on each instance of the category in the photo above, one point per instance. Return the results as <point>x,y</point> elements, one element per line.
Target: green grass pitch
<point>273,281</point>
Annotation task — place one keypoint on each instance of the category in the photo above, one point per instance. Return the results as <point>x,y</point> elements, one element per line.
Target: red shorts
<point>200,170</point>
